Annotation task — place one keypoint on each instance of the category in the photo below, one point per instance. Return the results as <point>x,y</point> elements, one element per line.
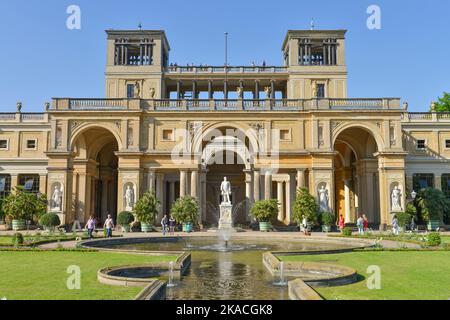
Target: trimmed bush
<point>347,232</point>
<point>50,220</point>
<point>146,208</point>
<point>327,219</point>
<point>434,239</point>
<point>185,210</point>
<point>305,206</point>
<point>404,219</point>
<point>265,210</point>
<point>17,239</point>
<point>125,218</point>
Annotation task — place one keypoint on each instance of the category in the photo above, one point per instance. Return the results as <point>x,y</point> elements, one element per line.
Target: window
<point>167,135</point>
<point>4,144</point>
<point>5,185</point>
<point>32,144</point>
<point>320,91</point>
<point>130,91</point>
<point>445,183</point>
<point>421,144</point>
<point>422,181</point>
<point>447,144</point>
<point>285,135</point>
<point>29,182</point>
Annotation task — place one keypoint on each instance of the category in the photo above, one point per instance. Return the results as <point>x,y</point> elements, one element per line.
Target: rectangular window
<point>5,185</point>
<point>421,144</point>
<point>447,144</point>
<point>29,182</point>
<point>31,144</point>
<point>167,135</point>
<point>4,144</point>
<point>130,91</point>
<point>320,91</point>
<point>423,181</point>
<point>445,183</point>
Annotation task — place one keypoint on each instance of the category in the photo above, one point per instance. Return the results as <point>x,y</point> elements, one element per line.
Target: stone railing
<point>426,117</point>
<point>238,69</point>
<point>67,104</point>
<point>23,117</point>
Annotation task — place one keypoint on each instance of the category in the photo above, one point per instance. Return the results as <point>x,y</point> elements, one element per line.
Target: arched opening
<point>95,167</point>
<point>356,175</point>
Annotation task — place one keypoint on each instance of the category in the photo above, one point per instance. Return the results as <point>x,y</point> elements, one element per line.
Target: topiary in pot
<point>146,209</point>
<point>265,211</point>
<point>328,220</point>
<point>185,211</point>
<point>305,207</point>
<point>404,219</point>
<point>124,220</point>
<point>50,221</point>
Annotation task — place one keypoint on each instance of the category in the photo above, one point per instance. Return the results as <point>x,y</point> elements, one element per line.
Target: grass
<point>404,275</point>
<point>43,275</point>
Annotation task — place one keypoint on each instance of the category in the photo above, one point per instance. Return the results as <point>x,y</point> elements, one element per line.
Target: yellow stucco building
<point>179,130</point>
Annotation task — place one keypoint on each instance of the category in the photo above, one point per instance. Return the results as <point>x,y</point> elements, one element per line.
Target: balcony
<point>421,117</point>
<point>219,70</point>
<point>24,117</point>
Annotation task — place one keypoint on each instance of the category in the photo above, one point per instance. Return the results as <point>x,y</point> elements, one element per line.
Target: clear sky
<point>40,58</point>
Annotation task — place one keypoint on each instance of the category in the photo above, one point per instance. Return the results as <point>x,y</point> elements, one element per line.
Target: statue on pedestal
<point>225,189</point>
<point>226,208</point>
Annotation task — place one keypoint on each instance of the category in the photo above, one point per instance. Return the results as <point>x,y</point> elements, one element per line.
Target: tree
<point>443,103</point>
<point>265,210</point>
<point>305,206</point>
<point>22,205</point>
<point>433,204</point>
<point>146,208</point>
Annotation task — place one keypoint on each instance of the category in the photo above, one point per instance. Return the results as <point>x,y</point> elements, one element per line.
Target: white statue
<point>57,199</point>
<point>129,198</point>
<point>396,202</point>
<point>324,199</point>
<point>225,189</point>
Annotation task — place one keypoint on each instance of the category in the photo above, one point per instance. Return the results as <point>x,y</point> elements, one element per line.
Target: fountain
<point>171,283</point>
<point>282,281</point>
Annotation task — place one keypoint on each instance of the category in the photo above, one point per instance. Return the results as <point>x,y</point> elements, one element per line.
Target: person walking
<point>109,226</point>
<point>90,226</point>
<point>341,223</point>
<point>172,223</point>
<point>395,225</point>
<point>164,223</point>
<point>366,223</point>
<point>360,225</point>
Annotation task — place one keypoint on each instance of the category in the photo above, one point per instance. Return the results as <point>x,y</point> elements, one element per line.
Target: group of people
<point>168,225</point>
<point>362,223</point>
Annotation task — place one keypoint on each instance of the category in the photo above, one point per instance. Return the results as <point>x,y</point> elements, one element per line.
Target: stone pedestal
<point>226,216</point>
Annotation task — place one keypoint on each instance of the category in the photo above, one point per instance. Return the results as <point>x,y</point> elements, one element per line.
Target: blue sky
<point>40,58</point>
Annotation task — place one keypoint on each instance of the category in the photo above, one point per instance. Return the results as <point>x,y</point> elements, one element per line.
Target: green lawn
<point>404,275</point>
<point>42,275</point>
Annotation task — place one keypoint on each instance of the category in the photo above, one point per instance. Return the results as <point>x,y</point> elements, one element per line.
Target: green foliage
<point>50,220</point>
<point>265,210</point>
<point>17,239</point>
<point>22,205</point>
<point>433,204</point>
<point>434,239</point>
<point>305,206</point>
<point>328,219</point>
<point>146,208</point>
<point>404,219</point>
<point>2,213</point>
<point>443,103</point>
<point>347,232</point>
<point>411,210</point>
<point>125,218</point>
<point>185,210</point>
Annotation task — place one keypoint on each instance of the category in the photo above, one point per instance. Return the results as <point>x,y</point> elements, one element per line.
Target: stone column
<point>268,186</point>
<point>203,195</point>
<point>256,185</point>
<point>210,90</point>
<point>151,180</point>
<point>183,183</point>
<point>272,88</point>
<point>290,197</point>
<point>194,184</point>
<point>248,195</point>
<point>172,193</point>
<point>280,197</point>
<point>160,194</point>
<point>225,90</point>
<point>301,178</point>
<point>178,90</point>
<point>348,216</point>
<point>256,93</point>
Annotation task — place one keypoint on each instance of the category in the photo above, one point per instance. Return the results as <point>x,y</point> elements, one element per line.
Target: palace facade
<point>179,130</point>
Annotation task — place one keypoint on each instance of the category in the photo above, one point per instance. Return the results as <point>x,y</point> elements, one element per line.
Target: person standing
<point>172,223</point>
<point>90,226</point>
<point>109,226</point>
<point>164,223</point>
<point>341,223</point>
<point>366,223</point>
<point>360,225</point>
<point>305,226</point>
<point>395,225</point>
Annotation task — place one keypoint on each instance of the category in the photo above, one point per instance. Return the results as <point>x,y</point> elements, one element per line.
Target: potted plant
<point>146,210</point>
<point>433,204</point>
<point>185,211</point>
<point>50,221</point>
<point>328,220</point>
<point>125,219</point>
<point>404,219</point>
<point>20,206</point>
<point>265,211</point>
<point>305,207</point>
